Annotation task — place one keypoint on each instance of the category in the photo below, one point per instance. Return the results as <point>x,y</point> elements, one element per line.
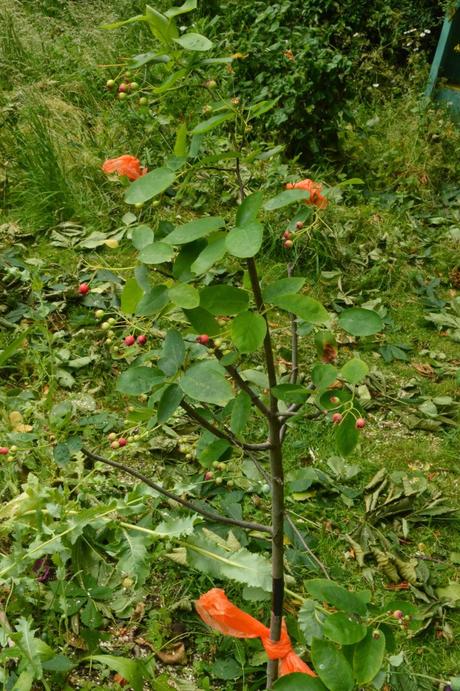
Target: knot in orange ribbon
<point>219,613</point>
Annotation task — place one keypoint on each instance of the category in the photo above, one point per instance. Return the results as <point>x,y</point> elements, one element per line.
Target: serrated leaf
<point>360,322</point>
<point>205,382</point>
<point>245,241</point>
<point>248,331</point>
<point>176,527</point>
<point>308,621</point>
<point>148,186</point>
<point>193,230</point>
<point>307,308</point>
<point>331,666</point>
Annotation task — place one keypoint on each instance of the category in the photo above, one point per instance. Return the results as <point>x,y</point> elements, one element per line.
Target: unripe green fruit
<point>222,467</point>
<point>122,96</point>
<point>111,333</point>
<point>110,83</point>
<point>99,314</point>
<point>189,457</point>
<point>215,465</point>
<point>217,342</point>
<point>112,321</point>
<point>218,481</point>
<point>230,483</point>
<point>130,440</point>
<point>127,582</point>
<point>115,445</point>
<point>143,101</point>
<point>266,488</point>
<point>108,341</point>
<point>138,205</point>
<point>136,437</point>
<point>105,326</point>
<point>134,86</point>
<point>156,202</point>
<point>112,436</point>
<point>13,449</point>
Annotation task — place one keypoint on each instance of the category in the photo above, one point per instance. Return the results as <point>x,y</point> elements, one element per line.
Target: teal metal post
<point>444,80</point>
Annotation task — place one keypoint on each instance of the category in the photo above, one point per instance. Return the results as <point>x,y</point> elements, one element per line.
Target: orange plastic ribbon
<point>219,613</point>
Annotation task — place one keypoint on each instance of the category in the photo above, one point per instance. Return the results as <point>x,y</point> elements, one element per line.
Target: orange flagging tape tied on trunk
<point>219,613</point>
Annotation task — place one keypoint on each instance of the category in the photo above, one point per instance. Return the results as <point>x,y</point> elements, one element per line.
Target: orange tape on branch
<point>219,613</point>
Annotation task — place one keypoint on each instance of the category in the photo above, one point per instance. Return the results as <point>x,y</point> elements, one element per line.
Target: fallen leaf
<point>174,656</point>
<point>16,422</point>
<point>424,370</point>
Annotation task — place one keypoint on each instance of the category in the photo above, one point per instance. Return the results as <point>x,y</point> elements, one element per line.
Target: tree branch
<point>244,386</point>
<point>210,515</point>
<point>222,434</point>
<point>294,339</point>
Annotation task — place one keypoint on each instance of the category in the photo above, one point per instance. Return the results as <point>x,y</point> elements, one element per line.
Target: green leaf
<point>25,681</point>
<point>368,657</point>
<point>137,380</point>
<point>181,269</point>
<point>169,83</point>
<point>202,321</point>
<point>248,331</point>
<point>172,353</point>
<point>309,623</point>
<point>14,346</point>
<point>141,237</point>
<point>340,628</point>
<point>131,670</point>
<point>245,241</point>
<point>285,198</point>
<point>291,393</point>
<point>176,527</point>
<point>331,666</point>
<point>130,296</point>
<point>346,435</point>
<point>224,299</point>
<point>241,411</point>
<point>194,229</point>
<point>169,402</point>
<point>180,147</point>
<point>212,123</point>
<point>153,301</point>
<point>262,107</point>
<point>156,253</point>
<point>188,6</point>
<point>327,591</point>
<point>25,639</point>
<point>284,286</point>
<point>206,553</point>
<point>133,555</point>
<point>308,309</point>
<point>214,252</point>
<point>354,371</point>
<point>193,41</point>
<point>249,208</point>
<point>163,28</point>
<point>323,376</point>
<point>142,59</point>
<point>58,663</point>
<point>360,322</point>
<point>148,186</point>
<point>124,22</point>
<point>299,682</point>
<point>90,615</point>
<point>184,295</point>
<point>343,396</point>
<point>205,382</point>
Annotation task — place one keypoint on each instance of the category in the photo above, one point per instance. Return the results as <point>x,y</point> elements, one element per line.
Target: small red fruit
<point>336,418</point>
<point>123,88</point>
<point>4,450</point>
<point>203,339</point>
<point>115,444</point>
<point>360,423</point>
<point>83,288</point>
<point>288,244</point>
<point>142,339</point>
<point>122,441</point>
<point>287,235</point>
<point>129,340</point>
<point>209,475</point>
<point>397,614</point>
<point>334,400</point>
<point>299,225</point>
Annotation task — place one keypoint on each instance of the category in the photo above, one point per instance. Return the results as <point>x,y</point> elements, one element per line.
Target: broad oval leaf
<point>368,657</point>
<point>249,208</point>
<point>130,296</point>
<point>285,198</point>
<point>328,591</point>
<point>148,186</point>
<point>214,252</point>
<point>193,41</point>
<point>245,241</point>
<point>169,402</point>
<point>307,308</point>
<point>153,301</point>
<point>188,6</point>
<point>284,286</point>
<point>156,253</point>
<point>211,123</point>
<point>340,628</point>
<point>184,295</point>
<point>354,371</point>
<point>248,331</point>
<point>299,682</point>
<point>137,380</point>
<point>224,300</point>
<point>333,399</point>
<point>202,321</point>
<point>323,376</point>
<point>291,393</point>
<point>199,228</point>
<point>141,237</point>
<point>172,353</point>
<point>205,382</point>
<point>241,411</point>
<point>358,321</point>
<point>331,666</point>
<point>346,435</point>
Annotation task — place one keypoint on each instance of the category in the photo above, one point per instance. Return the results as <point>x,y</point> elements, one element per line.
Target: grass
<point>59,124</point>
